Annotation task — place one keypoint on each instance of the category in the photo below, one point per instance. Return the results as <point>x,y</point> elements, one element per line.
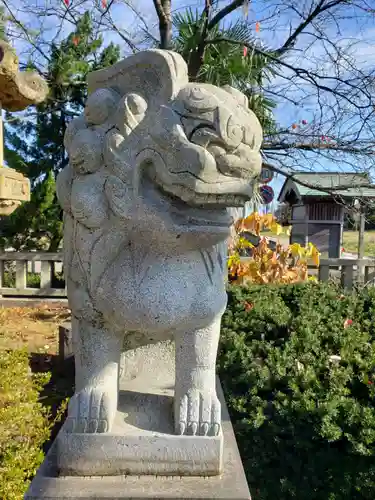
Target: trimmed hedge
<point>24,424</point>
<point>297,367</point>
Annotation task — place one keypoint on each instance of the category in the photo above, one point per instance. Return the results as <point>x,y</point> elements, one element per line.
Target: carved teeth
<point>204,199</point>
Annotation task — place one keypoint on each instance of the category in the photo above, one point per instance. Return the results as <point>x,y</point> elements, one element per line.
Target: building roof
<point>344,185</point>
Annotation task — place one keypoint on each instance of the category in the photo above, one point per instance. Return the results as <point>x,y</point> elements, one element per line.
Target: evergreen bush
<point>24,424</point>
<point>297,367</point>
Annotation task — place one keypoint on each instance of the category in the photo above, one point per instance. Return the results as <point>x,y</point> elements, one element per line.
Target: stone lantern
<point>18,90</point>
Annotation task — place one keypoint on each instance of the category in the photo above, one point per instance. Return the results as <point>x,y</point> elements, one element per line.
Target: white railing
<point>348,271</point>
<point>47,261</point>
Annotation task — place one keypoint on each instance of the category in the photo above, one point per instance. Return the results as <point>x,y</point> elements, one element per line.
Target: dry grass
<point>33,327</point>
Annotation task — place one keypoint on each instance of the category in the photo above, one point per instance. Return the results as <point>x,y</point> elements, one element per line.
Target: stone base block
<point>142,440</point>
<point>142,457</point>
<point>230,485</point>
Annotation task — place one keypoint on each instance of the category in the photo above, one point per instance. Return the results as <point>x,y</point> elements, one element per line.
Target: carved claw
<point>181,428</point>
<point>204,429</point>
<point>193,428</point>
<point>198,413</point>
<point>90,411</point>
<point>215,429</point>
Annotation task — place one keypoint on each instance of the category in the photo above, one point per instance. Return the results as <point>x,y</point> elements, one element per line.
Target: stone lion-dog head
<point>165,155</point>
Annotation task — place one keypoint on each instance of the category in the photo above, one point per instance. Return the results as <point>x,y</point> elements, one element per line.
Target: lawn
<point>350,242</point>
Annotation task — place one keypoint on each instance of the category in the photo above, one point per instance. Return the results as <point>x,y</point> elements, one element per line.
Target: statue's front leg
<point>97,354</point>
<point>197,410</point>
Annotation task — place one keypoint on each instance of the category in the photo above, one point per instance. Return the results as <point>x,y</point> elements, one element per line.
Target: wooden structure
<point>316,204</point>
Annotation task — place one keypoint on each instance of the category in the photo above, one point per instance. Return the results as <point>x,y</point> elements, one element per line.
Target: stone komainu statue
<point>154,163</point>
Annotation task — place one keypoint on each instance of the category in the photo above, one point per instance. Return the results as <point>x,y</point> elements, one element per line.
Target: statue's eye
<point>235,132</point>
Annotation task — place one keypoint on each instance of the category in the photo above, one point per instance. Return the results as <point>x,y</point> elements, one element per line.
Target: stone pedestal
<point>230,485</point>
<point>142,457</point>
<point>142,440</point>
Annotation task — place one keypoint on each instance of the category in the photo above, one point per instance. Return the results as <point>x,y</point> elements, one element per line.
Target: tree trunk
<point>163,11</point>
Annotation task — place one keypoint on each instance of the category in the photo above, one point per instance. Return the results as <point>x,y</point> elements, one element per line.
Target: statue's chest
<point>166,293</point>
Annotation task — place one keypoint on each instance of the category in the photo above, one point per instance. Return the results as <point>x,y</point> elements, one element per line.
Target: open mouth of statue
<point>188,207</point>
<point>208,210</point>
<point>204,213</point>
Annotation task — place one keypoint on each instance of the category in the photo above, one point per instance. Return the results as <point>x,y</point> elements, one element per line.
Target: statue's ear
<point>156,75</point>
<point>239,96</point>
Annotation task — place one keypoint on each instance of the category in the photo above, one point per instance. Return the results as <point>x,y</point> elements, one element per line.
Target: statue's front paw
<point>91,410</point>
<point>198,413</point>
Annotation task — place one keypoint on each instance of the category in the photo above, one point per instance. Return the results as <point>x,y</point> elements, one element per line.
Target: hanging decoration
<point>257,27</point>
<point>66,2</point>
<point>104,4</point>
<point>75,40</point>
<point>245,51</point>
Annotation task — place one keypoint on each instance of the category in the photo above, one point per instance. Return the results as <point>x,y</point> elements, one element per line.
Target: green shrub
<point>24,424</point>
<point>33,280</point>
<point>304,420</point>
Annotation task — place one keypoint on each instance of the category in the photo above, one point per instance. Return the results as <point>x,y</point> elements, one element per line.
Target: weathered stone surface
<point>230,485</point>
<point>14,189</point>
<point>65,342</point>
<point>142,440</point>
<point>155,161</point>
<point>18,89</point>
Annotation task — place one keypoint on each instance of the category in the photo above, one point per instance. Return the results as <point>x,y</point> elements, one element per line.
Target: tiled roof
<point>353,185</point>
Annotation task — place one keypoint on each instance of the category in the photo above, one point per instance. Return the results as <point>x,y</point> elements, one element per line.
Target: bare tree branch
<point>225,12</point>
<point>321,7</point>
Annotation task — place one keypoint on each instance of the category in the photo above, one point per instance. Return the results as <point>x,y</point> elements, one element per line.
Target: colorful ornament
<point>294,126</point>
<point>304,122</point>
<point>257,27</point>
<point>245,51</point>
<point>66,2</point>
<point>75,40</point>
<point>104,4</point>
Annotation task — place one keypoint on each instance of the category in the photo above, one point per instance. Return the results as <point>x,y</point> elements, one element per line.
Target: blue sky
<point>275,26</point>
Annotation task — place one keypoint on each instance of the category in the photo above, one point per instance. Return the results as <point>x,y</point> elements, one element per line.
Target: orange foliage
<point>265,265</point>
